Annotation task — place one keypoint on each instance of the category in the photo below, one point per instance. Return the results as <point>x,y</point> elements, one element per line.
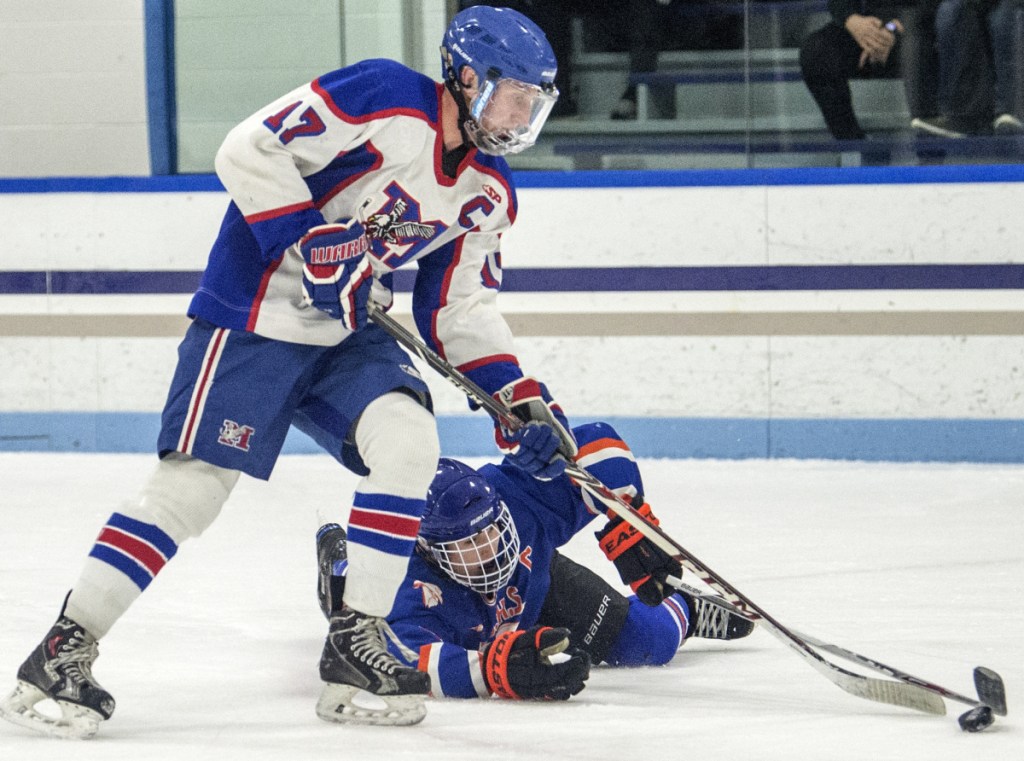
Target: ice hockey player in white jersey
<point>332,187</point>
<point>489,601</point>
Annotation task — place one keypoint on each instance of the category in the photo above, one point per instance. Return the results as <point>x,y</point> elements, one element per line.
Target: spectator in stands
<point>641,27</point>
<point>653,25</point>
<point>977,66</point>
<point>868,39</point>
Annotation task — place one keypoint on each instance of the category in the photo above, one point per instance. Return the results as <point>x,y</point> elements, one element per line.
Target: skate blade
<point>76,722</point>
<point>347,704</point>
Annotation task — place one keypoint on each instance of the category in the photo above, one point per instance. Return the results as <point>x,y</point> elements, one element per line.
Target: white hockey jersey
<point>364,141</point>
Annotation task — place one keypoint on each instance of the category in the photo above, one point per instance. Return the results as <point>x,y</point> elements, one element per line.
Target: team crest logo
<point>236,436</point>
<point>397,230</point>
<point>390,227</point>
<point>432,596</point>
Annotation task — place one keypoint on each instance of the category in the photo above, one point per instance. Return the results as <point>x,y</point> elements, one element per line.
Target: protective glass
<point>507,115</point>
<point>484,562</point>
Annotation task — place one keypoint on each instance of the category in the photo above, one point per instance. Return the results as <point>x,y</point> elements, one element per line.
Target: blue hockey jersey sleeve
<point>608,458</point>
<point>558,505</point>
<point>455,671</point>
<point>444,624</point>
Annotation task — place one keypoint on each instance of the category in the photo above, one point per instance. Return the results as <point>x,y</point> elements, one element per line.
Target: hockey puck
<point>976,719</point>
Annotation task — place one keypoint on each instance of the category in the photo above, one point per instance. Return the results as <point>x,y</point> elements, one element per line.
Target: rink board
<point>785,317</point>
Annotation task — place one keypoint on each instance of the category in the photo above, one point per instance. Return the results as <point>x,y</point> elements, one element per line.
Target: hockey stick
<point>989,685</point>
<point>991,691</point>
<point>880,690</point>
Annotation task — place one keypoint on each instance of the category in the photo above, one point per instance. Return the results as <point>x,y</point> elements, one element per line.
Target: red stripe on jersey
<point>676,609</point>
<point>136,549</point>
<point>204,380</point>
<point>598,445</point>
<point>386,523</point>
<point>469,366</point>
<point>263,216</point>
<point>257,302</point>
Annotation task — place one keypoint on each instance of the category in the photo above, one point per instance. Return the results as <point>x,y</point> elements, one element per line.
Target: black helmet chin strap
<point>452,84</point>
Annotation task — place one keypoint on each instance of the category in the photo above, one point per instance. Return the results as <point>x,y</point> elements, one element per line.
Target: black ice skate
<point>366,684</point>
<point>331,556</point>
<point>60,669</point>
<point>713,618</point>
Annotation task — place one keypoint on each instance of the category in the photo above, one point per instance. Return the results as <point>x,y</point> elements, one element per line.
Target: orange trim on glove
<point>624,536</point>
<point>496,665</point>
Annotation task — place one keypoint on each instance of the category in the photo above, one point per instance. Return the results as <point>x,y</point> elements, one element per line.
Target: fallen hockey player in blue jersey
<point>488,599</point>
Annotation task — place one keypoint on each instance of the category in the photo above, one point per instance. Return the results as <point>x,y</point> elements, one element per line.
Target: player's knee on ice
<point>650,636</point>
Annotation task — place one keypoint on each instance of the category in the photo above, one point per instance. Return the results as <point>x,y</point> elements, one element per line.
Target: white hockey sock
<point>397,439</point>
<point>180,500</point>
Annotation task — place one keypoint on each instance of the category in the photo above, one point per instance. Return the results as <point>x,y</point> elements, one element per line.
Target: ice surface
<point>919,566</point>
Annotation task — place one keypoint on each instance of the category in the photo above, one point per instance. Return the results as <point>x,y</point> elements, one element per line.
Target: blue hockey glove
<point>545,445</point>
<point>337,275</point>
<point>535,450</point>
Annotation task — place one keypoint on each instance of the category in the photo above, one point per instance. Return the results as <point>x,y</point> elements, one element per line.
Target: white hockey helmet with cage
<point>466,529</point>
<point>515,68</point>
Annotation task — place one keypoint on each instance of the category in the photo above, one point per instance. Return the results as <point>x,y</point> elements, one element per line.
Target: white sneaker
<point>1007,124</point>
<point>936,125</point>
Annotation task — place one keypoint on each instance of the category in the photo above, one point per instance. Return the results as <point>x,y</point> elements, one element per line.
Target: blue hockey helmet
<point>515,69</point>
<point>467,530</point>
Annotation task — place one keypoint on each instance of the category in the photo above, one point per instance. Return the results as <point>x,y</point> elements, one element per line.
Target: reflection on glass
<point>686,83</point>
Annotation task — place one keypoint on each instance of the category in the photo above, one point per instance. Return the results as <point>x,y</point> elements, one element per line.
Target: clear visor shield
<point>507,115</point>
<point>485,561</point>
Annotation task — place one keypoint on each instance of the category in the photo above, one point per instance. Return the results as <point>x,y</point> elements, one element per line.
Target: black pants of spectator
<point>830,58</point>
<point>968,79</point>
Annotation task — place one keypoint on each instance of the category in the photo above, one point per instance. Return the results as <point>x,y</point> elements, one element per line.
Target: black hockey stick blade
<point>991,690</point>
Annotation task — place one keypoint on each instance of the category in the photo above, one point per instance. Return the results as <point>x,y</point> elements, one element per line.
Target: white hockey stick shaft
<point>879,690</point>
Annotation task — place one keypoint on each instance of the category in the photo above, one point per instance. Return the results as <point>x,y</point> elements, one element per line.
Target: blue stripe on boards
<point>123,563</point>
<point>23,283</point>
<point>563,279</point>
<point>771,278</point>
<point>676,178</point>
<point>380,542</point>
<point>958,174</point>
<point>145,531</point>
<point>141,282</point>
<point>180,183</point>
<point>895,440</point>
